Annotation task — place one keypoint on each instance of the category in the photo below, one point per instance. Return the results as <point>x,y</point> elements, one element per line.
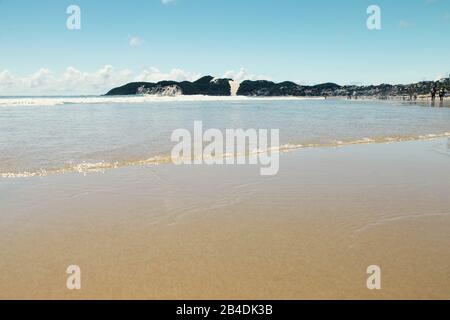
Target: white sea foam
<point>101,167</point>
<point>55,101</point>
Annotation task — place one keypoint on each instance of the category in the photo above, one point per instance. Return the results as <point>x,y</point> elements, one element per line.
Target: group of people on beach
<point>441,93</point>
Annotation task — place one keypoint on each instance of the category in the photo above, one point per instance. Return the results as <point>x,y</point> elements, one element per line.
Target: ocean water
<point>51,135</point>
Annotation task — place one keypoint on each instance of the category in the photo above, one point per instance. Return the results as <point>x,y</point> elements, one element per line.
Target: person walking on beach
<point>433,93</point>
<point>442,94</point>
<point>411,93</point>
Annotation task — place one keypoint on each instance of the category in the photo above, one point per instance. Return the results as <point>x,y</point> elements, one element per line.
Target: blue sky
<point>300,40</point>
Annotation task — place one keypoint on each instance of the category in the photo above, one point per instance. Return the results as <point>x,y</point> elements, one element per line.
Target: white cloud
<point>75,82</point>
<point>39,78</point>
<point>71,81</point>
<point>154,75</point>
<point>7,80</point>
<point>135,41</point>
<point>442,76</point>
<point>242,75</point>
<point>167,1</point>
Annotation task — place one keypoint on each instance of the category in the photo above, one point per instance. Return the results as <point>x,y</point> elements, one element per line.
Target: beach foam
<point>55,101</point>
<point>101,167</point>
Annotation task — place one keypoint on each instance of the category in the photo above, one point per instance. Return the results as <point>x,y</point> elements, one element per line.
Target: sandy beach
<point>225,232</point>
<point>224,158</point>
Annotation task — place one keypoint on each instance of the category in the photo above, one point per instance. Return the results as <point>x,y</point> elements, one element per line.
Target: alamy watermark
<point>74,20</point>
<point>73,281</point>
<point>374,279</point>
<point>374,19</point>
<point>236,146</point>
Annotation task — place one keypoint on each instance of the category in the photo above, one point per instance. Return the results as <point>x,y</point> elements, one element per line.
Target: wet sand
<point>225,232</point>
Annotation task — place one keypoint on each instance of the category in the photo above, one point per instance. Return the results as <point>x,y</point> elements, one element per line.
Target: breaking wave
<point>57,101</point>
<point>101,167</point>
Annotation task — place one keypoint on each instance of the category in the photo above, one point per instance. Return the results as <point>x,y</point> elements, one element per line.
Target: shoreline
<point>138,99</point>
<point>102,167</point>
<point>46,101</point>
<point>308,233</point>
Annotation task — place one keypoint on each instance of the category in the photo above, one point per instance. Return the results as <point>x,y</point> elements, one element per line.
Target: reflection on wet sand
<point>430,103</point>
<point>225,232</point>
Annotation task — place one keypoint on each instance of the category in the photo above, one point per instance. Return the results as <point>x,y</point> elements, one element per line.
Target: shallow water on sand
<point>54,135</point>
<point>225,232</point>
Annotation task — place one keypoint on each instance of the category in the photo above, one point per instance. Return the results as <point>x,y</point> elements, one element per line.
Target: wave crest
<point>171,95</point>
<point>101,167</point>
